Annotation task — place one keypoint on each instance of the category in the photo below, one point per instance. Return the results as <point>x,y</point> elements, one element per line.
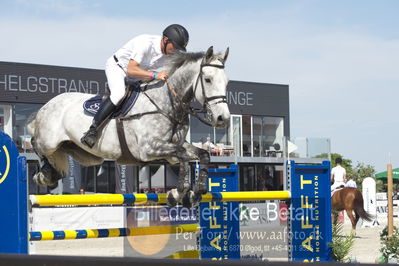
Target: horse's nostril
<point>220,118</point>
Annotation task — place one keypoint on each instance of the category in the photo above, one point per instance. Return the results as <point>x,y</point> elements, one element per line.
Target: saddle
<point>133,90</point>
<point>129,99</point>
<point>337,189</point>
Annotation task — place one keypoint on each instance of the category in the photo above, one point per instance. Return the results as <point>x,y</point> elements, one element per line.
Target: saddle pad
<point>335,190</point>
<point>91,105</point>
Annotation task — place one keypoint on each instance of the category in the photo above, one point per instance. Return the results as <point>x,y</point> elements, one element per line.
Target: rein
<point>186,106</point>
<point>206,106</point>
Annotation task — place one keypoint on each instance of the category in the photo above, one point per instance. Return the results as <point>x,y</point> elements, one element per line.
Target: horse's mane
<point>179,59</point>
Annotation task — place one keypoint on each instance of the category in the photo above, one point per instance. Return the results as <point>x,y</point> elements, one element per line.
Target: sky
<point>340,58</point>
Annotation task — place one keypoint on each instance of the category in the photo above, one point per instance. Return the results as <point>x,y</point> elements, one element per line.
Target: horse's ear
<point>225,55</point>
<point>208,54</point>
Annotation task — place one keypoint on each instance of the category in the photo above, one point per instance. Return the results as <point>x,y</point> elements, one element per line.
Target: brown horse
<point>350,200</point>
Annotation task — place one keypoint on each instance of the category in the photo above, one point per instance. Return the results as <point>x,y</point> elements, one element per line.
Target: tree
<point>361,171</point>
<point>358,173</point>
<point>346,163</point>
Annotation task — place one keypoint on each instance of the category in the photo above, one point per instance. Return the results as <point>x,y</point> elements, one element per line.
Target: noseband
<point>186,106</point>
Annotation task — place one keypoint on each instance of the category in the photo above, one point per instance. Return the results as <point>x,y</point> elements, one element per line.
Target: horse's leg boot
<point>105,110</point>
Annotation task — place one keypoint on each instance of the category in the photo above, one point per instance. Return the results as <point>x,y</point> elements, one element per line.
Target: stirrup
<point>89,138</point>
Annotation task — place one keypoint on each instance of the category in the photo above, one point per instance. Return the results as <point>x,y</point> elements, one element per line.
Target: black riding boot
<point>105,110</point>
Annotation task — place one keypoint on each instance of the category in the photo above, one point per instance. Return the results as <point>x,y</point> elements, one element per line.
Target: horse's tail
<point>359,209</point>
<point>31,124</point>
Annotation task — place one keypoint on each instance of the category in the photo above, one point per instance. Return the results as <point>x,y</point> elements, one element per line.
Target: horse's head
<point>210,88</point>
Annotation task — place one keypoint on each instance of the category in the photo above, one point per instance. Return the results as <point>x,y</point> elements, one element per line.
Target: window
<point>99,179</point>
<point>152,178</point>
<point>105,180</point>
<point>172,176</point>
<point>274,131</point>
<point>1,119</point>
<point>88,178</point>
<point>6,119</point>
<point>247,178</point>
<point>246,135</point>
<point>236,133</point>
<point>222,136</point>
<point>157,173</point>
<point>268,133</point>
<point>265,179</point>
<point>199,131</point>
<point>22,112</point>
<point>258,137</point>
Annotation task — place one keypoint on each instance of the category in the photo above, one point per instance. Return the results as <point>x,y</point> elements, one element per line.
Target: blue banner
<point>13,198</point>
<point>310,214</point>
<point>219,221</point>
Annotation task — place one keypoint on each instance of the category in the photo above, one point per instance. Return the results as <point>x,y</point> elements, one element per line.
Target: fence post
<point>13,198</point>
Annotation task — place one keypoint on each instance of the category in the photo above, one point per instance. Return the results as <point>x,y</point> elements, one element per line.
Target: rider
<point>351,183</point>
<point>338,174</point>
<point>141,58</point>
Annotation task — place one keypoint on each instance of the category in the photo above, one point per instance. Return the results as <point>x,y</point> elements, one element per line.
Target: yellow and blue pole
<point>139,198</point>
<point>112,232</point>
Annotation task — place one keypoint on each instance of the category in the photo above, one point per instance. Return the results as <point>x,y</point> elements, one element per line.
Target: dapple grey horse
<point>155,128</point>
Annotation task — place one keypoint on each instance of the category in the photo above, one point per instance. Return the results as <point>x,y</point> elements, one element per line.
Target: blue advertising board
<point>13,198</point>
<point>219,220</point>
<point>310,214</point>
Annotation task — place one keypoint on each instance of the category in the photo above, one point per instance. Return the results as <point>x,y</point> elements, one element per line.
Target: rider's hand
<point>162,75</point>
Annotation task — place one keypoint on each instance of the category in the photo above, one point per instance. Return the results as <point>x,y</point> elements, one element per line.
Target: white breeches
<point>116,80</point>
<point>337,184</point>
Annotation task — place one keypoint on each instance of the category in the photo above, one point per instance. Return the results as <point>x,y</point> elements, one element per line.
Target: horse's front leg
<point>203,156</point>
<point>181,193</point>
<point>172,152</point>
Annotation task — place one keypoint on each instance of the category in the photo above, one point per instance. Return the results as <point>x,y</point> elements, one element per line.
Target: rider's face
<point>170,48</point>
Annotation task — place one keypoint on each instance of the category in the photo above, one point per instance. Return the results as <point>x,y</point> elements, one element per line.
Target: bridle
<point>207,100</point>
<point>187,109</point>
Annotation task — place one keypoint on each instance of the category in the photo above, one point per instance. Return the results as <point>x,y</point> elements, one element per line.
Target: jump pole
<point>142,198</point>
<point>112,232</point>
<point>309,218</point>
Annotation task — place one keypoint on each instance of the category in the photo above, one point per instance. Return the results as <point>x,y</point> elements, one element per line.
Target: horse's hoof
<point>196,198</point>
<point>188,200</point>
<point>172,197</point>
<point>200,188</point>
<point>42,180</point>
<point>183,188</point>
<point>38,178</point>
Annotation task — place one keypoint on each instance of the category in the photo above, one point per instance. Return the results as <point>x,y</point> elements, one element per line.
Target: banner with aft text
<point>310,213</point>
<point>219,221</point>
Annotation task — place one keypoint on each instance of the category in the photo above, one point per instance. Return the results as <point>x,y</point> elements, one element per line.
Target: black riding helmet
<point>177,35</point>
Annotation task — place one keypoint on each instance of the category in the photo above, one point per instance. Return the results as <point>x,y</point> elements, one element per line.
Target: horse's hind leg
<point>54,167</point>
<point>200,187</point>
<point>353,220</point>
<point>357,217</point>
<point>335,216</point>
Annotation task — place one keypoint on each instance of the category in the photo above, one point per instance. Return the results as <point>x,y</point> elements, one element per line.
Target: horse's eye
<point>207,80</point>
